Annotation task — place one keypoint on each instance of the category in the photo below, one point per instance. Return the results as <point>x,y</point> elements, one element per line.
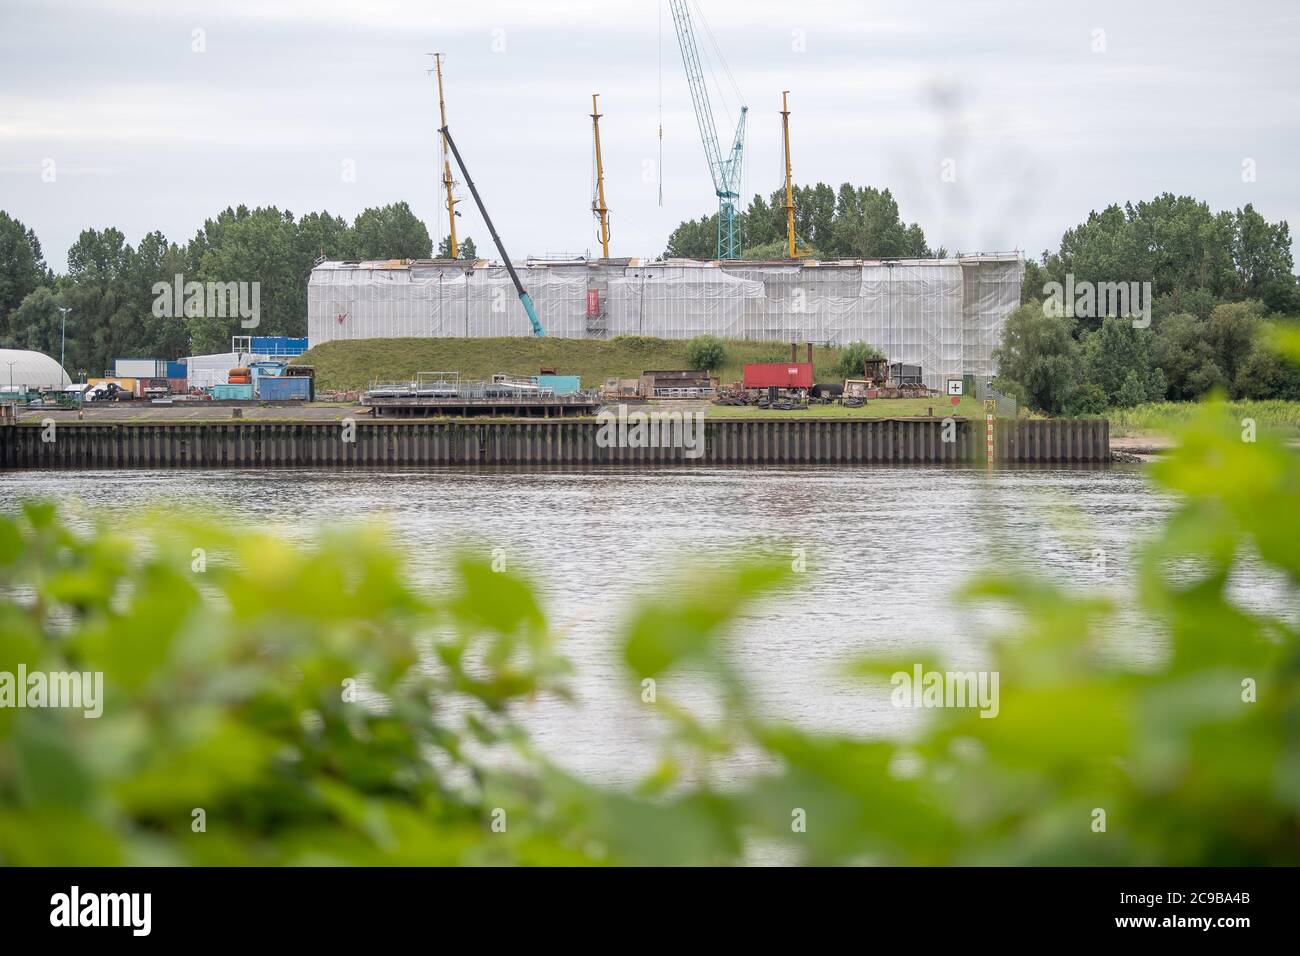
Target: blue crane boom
<point>724,170</point>
<point>524,297</point>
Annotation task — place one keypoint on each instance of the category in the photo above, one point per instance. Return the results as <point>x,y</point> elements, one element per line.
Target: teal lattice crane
<point>726,171</point>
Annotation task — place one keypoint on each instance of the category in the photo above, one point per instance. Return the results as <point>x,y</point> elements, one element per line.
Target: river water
<point>884,548</point>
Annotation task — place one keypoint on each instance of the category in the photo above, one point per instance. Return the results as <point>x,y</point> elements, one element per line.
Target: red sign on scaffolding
<point>593,303</point>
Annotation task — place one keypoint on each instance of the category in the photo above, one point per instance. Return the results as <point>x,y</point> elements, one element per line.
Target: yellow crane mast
<point>446,163</point>
<point>598,207</point>
<point>789,188</point>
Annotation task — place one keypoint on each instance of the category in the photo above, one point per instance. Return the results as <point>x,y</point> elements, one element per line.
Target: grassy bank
<point>354,365</point>
<point>1166,418</point>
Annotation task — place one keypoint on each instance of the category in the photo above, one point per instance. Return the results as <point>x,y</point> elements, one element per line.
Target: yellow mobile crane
<point>598,207</point>
<point>789,187</point>
<point>446,163</point>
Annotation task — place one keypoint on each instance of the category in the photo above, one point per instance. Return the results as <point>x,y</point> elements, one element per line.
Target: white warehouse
<point>945,315</point>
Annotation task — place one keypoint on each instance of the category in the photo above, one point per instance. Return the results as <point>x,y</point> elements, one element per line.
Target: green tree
<point>464,246</point>
<point>1261,253</point>
<point>867,225</point>
<point>36,322</point>
<point>763,223</point>
<point>319,236</point>
<point>1184,353</point>
<point>1118,359</point>
<point>856,223</point>
<point>705,352</point>
<point>1182,247</point>
<point>1088,399</point>
<point>22,270</point>
<point>1038,359</point>
<point>694,239</point>
<point>1232,331</point>
<point>853,359</point>
<point>390,232</point>
<point>108,302</point>
<point>1263,374</point>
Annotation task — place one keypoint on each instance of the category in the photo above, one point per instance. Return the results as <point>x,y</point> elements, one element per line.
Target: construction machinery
<point>725,170</point>
<point>598,207</point>
<point>791,252</point>
<point>446,164</point>
<point>501,249</point>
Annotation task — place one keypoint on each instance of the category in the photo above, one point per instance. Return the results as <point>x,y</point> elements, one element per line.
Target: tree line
<point>1218,283</point>
<point>108,285</point>
<point>855,222</point>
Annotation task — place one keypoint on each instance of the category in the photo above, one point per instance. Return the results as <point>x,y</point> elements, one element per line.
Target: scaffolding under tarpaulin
<point>945,315</point>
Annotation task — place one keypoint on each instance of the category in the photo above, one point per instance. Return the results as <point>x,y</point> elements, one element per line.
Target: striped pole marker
<point>989,408</point>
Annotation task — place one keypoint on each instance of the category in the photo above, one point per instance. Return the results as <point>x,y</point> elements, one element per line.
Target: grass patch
<point>1166,418</point>
<point>342,366</point>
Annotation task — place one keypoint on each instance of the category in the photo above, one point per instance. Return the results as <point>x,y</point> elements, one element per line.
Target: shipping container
<point>779,375</point>
<point>560,384</point>
<point>228,393</point>
<point>901,374</point>
<point>177,370</point>
<point>132,385</point>
<point>284,389</point>
<point>280,345</point>
<point>139,368</point>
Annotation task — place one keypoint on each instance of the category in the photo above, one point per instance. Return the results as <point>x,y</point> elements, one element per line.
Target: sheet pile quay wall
<point>945,315</point>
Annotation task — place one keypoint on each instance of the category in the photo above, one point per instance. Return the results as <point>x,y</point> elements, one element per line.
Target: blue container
<point>278,345</point>
<point>229,393</point>
<point>562,384</point>
<point>176,370</point>
<point>284,389</point>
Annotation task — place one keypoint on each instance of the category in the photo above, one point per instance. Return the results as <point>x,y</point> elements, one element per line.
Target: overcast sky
<point>1048,110</point>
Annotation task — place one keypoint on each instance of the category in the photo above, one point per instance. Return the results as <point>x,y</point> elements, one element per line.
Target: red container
<point>779,374</point>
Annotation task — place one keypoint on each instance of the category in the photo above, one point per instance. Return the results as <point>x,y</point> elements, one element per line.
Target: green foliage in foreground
<point>1168,418</point>
<point>225,690</point>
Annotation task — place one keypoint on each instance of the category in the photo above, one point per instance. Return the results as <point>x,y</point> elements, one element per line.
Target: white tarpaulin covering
<point>680,302</point>
<point>22,369</point>
<point>945,315</point>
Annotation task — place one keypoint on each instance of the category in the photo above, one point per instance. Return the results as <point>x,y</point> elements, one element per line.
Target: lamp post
<point>63,334</point>
<point>11,373</point>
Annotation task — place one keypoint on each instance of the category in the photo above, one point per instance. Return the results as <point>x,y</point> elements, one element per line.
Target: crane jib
<point>724,172</point>
<point>492,230</point>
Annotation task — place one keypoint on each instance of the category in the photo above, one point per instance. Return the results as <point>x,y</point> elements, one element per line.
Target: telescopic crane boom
<point>487,221</point>
<point>598,206</point>
<point>446,165</point>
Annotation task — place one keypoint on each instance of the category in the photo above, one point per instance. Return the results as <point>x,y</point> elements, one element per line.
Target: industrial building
<point>945,315</point>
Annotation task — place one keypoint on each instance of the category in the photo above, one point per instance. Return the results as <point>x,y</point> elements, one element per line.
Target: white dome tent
<point>21,369</point>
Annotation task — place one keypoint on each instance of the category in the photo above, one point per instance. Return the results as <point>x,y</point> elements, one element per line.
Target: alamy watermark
<point>72,689</point>
<point>653,429</point>
<point>922,688</point>
<point>1094,300</point>
<point>179,299</point>
<point>133,911</point>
